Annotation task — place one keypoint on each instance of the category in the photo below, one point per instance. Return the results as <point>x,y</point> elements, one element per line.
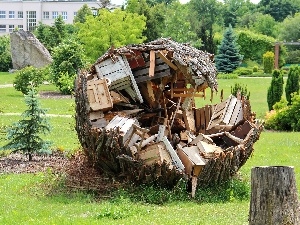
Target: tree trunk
<point>273,196</point>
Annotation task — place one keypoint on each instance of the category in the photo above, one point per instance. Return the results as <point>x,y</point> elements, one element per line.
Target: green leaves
<point>108,29</point>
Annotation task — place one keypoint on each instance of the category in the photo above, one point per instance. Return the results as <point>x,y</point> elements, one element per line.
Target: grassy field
<point>25,200</point>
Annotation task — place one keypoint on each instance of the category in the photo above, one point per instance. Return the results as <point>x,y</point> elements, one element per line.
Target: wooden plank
<point>156,76</point>
<point>133,82</point>
<point>152,63</point>
<point>188,164</point>
<point>194,155</point>
<point>161,133</point>
<point>189,120</point>
<point>188,95</point>
<point>127,125</point>
<point>229,110</point>
<point>237,114</point>
<point>113,122</point>
<point>166,60</point>
<point>202,120</point>
<point>175,159</point>
<point>145,71</point>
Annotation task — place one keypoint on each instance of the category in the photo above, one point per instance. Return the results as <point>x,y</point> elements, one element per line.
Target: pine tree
<point>292,83</point>
<point>275,91</point>
<point>25,134</point>
<point>228,57</point>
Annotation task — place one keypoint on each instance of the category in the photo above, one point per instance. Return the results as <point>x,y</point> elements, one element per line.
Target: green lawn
<point>24,201</point>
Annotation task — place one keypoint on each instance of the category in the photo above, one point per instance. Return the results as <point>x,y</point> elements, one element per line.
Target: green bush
<point>29,77</point>
<point>243,71</point>
<point>228,76</point>
<point>68,58</point>
<point>240,88</point>
<point>255,69</point>
<point>284,117</point>
<point>293,57</point>
<point>268,61</point>
<point>292,83</point>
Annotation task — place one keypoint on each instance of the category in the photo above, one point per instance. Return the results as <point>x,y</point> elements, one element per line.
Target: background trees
<point>5,57</point>
<point>108,29</point>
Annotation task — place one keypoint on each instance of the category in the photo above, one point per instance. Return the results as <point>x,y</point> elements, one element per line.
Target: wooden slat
<point>152,63</point>
<point>166,60</point>
<point>203,123</point>
<point>197,119</point>
<point>175,159</point>
<point>157,75</point>
<point>229,110</point>
<point>237,113</point>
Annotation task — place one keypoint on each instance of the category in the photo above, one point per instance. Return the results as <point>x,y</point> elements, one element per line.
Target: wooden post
<point>273,196</point>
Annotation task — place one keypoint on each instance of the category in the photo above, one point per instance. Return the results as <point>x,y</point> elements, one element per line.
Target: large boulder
<point>27,50</point>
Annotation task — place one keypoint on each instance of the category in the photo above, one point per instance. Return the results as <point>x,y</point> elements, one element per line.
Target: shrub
<point>292,83</point>
<point>228,76</point>
<point>275,91</point>
<point>29,77</point>
<point>240,88</point>
<point>242,71</point>
<point>284,117</point>
<point>268,62</point>
<point>255,69</point>
<point>68,58</point>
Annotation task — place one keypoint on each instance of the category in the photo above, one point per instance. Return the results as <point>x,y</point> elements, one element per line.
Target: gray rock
<point>27,50</point>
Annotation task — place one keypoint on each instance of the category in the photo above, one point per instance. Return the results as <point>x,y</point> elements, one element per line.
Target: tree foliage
<point>25,135</point>
<point>203,15</point>
<point>278,9</point>
<point>292,83</point>
<point>82,13</point>
<point>275,91</point>
<point>108,29</point>
<point>290,28</point>
<point>5,56</point>
<point>240,89</point>
<point>154,17</point>
<point>177,25</point>
<point>268,62</point>
<point>253,45</point>
<point>228,57</point>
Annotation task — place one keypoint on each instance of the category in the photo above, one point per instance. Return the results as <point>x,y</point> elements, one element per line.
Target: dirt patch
<point>18,163</point>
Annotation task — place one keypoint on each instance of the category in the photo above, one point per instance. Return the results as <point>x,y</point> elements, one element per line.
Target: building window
<point>20,27</point>
<point>11,14</point>
<point>31,20</point>
<point>64,15</point>
<point>46,15</point>
<point>11,28</point>
<point>95,12</point>
<point>54,15</point>
<point>75,14</point>
<point>2,28</point>
<point>2,14</point>
<point>20,14</point>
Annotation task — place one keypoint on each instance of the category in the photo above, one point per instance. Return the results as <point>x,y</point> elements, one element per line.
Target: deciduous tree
<point>108,29</point>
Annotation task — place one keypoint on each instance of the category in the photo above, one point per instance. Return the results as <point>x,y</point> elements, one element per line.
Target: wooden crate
<point>120,75</point>
<point>156,153</point>
<point>99,95</point>
<point>191,159</point>
<point>228,112</point>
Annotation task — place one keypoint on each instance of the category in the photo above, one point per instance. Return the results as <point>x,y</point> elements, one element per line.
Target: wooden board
<point>189,120</point>
<point>175,159</point>
<point>99,95</point>
<point>156,153</point>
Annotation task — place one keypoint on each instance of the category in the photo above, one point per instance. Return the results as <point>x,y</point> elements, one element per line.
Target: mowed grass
<point>24,200</point>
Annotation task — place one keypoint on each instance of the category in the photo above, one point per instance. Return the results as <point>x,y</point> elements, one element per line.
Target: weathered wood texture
<point>274,198</point>
<point>106,151</point>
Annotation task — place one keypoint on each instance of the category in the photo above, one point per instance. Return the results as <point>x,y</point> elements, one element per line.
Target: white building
<point>26,14</point>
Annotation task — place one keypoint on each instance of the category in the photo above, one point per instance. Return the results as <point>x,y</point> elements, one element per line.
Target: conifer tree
<point>292,83</point>
<point>275,91</point>
<point>228,57</point>
<point>24,135</point>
